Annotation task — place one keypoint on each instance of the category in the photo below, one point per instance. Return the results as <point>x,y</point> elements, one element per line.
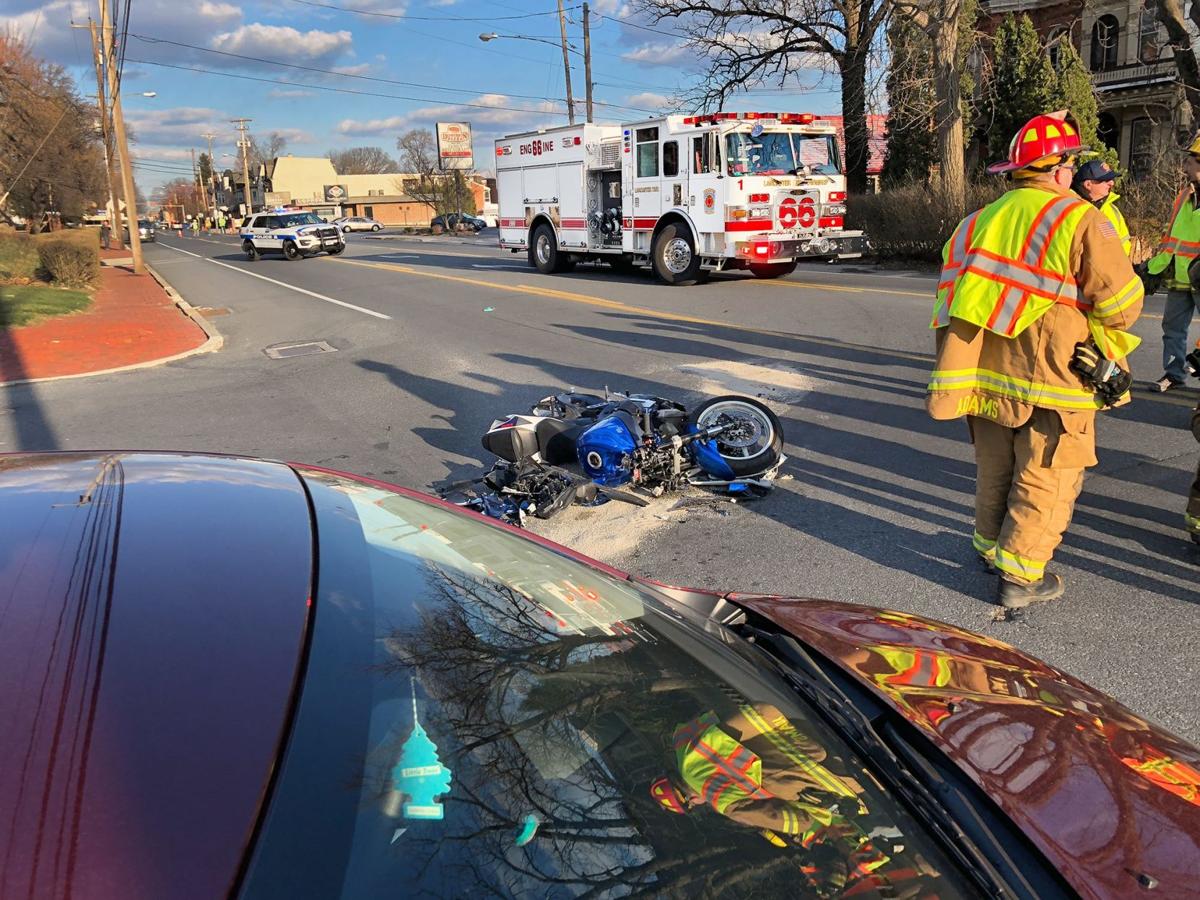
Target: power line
<point>385,15</point>
<point>337,90</point>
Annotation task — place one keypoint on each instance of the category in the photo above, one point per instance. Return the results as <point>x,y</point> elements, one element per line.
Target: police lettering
<point>536,148</point>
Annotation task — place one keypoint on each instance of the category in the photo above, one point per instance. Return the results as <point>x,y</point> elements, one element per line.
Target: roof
<point>876,139</point>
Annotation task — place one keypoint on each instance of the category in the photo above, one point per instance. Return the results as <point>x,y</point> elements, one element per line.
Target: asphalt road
<point>435,337</point>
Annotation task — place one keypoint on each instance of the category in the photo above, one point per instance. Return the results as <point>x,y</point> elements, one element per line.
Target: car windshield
<point>291,220</point>
<point>484,716</point>
<point>781,153</point>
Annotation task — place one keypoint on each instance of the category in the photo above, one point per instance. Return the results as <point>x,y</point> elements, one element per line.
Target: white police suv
<point>295,234</point>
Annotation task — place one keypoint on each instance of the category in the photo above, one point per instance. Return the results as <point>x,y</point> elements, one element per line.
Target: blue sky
<point>500,87</point>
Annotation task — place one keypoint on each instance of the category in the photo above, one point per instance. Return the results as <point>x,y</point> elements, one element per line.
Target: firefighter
<point>1178,251</point>
<point>757,769</point>
<point>1093,182</point>
<point>1032,308</point>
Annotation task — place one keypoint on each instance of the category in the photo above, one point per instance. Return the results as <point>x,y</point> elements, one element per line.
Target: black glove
<point>1192,361</point>
<point>1150,283</point>
<point>1102,375</point>
<point>1194,274</point>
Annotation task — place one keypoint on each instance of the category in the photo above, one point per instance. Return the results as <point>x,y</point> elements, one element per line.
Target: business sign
<point>335,193</point>
<point>454,145</point>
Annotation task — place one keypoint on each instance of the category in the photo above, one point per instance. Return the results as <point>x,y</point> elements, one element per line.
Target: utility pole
<point>244,143</point>
<point>587,60</point>
<point>212,172</point>
<point>200,182</point>
<point>562,27</point>
<point>110,164</point>
<point>114,90</point>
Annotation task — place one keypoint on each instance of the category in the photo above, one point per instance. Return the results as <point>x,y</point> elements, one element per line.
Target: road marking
<point>589,300</point>
<point>928,295</point>
<point>500,266</point>
<point>283,284</point>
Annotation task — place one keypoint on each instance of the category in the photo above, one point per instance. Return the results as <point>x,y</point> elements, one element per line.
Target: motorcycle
<point>649,444</point>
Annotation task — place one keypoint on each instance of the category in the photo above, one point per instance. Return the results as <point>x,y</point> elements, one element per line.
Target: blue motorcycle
<point>647,443</point>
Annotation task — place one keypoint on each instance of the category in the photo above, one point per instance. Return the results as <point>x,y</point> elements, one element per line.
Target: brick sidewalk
<point>131,320</point>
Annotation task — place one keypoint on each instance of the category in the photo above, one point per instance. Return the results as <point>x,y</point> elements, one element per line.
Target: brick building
<point>1142,107</point>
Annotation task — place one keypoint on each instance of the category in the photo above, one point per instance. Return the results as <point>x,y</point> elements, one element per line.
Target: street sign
<point>454,145</point>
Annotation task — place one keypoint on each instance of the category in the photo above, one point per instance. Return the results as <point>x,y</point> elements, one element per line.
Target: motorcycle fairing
<point>604,449</point>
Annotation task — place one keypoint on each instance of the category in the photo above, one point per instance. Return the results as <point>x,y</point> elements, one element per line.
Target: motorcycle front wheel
<point>754,444</point>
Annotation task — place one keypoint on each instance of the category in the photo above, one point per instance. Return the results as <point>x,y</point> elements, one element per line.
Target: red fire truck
<point>685,195</point>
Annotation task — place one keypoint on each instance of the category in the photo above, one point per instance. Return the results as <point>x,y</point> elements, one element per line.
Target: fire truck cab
<point>686,195</point>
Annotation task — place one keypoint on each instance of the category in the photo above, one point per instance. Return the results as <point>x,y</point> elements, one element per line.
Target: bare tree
<point>424,180</point>
<point>362,161</point>
<point>262,152</point>
<point>749,42</point>
<point>50,154</point>
<point>1171,15</point>
<point>941,20</point>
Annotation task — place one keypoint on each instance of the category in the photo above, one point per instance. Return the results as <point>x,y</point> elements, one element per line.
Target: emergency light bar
<point>784,118</point>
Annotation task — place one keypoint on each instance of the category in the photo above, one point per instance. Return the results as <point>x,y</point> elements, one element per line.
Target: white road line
<point>283,284</point>
<point>520,268</point>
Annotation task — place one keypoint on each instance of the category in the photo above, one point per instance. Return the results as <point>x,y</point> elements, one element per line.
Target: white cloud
<point>185,126</point>
<point>660,55</point>
<point>494,115</point>
<point>281,42</point>
<point>360,69</point>
<point>285,94</point>
<point>650,100</point>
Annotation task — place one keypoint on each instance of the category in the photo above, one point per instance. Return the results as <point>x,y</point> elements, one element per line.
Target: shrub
<point>912,222</point>
<point>18,257</point>
<point>69,263</point>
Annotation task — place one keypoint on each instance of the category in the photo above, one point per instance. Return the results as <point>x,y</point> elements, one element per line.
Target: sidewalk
<point>131,321</point>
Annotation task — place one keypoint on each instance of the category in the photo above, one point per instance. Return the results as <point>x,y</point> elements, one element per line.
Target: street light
<point>566,48</point>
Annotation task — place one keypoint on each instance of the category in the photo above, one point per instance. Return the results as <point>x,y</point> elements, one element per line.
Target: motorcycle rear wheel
<point>756,446</point>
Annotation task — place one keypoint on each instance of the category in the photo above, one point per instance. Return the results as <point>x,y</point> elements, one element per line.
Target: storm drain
<point>306,348</point>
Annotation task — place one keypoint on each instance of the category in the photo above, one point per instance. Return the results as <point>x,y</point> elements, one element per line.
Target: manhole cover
<point>307,348</point>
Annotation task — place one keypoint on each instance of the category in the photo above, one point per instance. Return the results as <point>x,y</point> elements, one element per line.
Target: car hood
<point>153,612</point>
<point>1112,801</point>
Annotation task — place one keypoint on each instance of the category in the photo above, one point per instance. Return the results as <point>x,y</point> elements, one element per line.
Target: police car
<point>294,233</point>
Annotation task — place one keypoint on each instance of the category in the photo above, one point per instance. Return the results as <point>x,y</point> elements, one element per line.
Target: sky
<point>423,56</point>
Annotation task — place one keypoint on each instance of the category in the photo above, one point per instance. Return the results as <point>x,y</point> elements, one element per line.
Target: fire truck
<point>685,195</point>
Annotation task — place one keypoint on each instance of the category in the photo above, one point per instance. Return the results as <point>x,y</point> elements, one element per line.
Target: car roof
<point>153,613</point>
<point>1112,801</point>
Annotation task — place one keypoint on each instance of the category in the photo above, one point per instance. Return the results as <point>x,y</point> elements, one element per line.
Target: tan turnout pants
<point>1027,481</point>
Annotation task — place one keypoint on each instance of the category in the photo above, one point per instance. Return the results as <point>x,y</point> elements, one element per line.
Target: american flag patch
<point>1106,229</point>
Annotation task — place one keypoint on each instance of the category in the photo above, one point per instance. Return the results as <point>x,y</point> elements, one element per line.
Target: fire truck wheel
<point>674,257</point>
<point>773,270</point>
<point>543,251</point>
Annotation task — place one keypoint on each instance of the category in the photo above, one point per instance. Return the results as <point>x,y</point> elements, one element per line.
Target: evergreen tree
<point>1023,83</point>
<point>1073,90</point>
<point>911,142</point>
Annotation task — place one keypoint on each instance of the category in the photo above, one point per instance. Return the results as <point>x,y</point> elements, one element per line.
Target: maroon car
<point>230,677</point>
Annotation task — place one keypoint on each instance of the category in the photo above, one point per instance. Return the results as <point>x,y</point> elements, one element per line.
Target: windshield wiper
<point>934,790</point>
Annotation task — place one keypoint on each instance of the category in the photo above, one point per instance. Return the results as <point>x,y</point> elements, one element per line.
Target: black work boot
<point>1013,595</point>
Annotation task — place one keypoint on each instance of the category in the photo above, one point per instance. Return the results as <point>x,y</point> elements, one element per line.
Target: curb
<point>213,343</point>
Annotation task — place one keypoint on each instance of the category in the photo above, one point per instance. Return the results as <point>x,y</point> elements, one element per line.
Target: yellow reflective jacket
<point>1181,242</point>
<point>1114,215</point>
<point>1024,280</point>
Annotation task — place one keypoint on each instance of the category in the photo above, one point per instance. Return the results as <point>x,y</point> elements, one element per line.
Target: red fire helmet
<point>1044,136</point>
<point>667,796</point>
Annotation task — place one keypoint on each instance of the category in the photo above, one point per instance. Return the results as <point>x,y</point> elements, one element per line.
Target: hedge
<point>75,254</point>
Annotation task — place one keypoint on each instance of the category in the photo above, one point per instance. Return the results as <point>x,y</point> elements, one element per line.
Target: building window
<point>1148,46</point>
<point>1054,44</point>
<point>1108,130</point>
<point>369,212</point>
<point>1106,39</point>
<point>1141,147</point>
<point>671,159</point>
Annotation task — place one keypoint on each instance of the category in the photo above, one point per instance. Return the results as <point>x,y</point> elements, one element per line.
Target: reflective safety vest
<point>1008,264</point>
<point>1182,242</point>
<point>1109,208</point>
<point>720,770</point>
<point>913,668</point>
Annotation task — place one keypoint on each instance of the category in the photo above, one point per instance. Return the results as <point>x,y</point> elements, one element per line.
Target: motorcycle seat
<point>556,440</point>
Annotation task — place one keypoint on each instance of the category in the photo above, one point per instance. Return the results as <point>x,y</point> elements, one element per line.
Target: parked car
<point>231,677</point>
<point>357,223</point>
<point>145,230</point>
<point>450,222</point>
